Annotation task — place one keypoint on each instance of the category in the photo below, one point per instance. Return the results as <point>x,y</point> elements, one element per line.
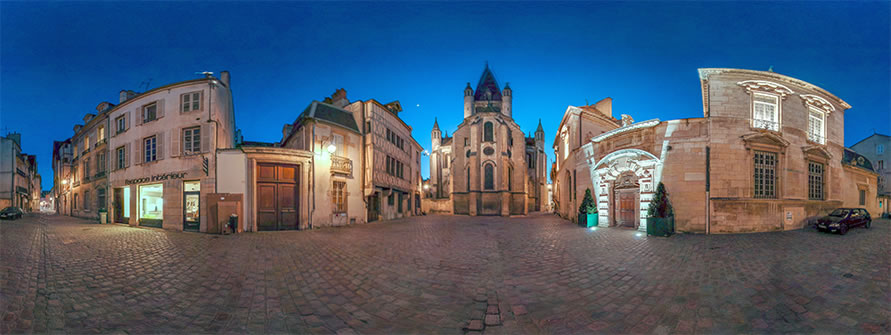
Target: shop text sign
<point>157,177</point>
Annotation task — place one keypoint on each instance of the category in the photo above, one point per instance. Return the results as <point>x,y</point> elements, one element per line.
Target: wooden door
<point>277,197</point>
<point>625,216</point>
<point>118,205</point>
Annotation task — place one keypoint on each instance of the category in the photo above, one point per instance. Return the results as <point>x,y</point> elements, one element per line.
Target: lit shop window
<point>151,202</point>
<point>126,201</point>
<point>192,194</point>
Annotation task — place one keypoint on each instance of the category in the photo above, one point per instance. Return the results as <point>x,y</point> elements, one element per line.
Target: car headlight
<point>834,224</point>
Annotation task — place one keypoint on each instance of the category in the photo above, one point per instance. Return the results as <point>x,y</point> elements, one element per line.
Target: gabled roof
<point>487,83</point>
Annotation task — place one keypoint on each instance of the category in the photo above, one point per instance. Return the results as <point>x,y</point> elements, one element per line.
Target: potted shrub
<point>660,216</point>
<point>587,211</point>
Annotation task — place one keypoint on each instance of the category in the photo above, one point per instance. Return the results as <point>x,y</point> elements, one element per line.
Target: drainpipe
<point>312,179</point>
<point>708,168</point>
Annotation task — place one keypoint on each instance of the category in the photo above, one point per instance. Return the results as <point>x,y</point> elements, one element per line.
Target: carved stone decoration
<point>488,151</point>
<point>626,120</point>
<point>765,86</point>
<point>818,102</point>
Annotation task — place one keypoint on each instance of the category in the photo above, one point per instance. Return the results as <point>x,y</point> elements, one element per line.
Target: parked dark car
<point>842,219</point>
<point>11,213</point>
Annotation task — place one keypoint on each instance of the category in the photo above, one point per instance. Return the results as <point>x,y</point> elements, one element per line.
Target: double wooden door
<point>277,197</point>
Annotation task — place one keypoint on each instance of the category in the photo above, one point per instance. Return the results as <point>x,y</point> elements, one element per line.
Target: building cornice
<point>634,126</point>
<point>705,73</point>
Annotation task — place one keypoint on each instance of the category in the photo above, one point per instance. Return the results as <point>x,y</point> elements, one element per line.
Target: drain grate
<point>848,275</point>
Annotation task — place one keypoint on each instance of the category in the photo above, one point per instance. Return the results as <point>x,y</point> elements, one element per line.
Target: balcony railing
<point>765,124</point>
<point>816,138</point>
<point>100,142</point>
<point>341,165</point>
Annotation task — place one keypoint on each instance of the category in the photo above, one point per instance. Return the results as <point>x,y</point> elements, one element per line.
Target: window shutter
<point>205,138</point>
<point>127,155</point>
<point>160,112</point>
<point>126,120</point>
<point>137,151</point>
<point>138,115</point>
<point>175,144</point>
<point>160,144</point>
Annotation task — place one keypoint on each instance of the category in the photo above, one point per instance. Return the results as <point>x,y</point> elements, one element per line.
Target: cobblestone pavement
<point>440,274</point>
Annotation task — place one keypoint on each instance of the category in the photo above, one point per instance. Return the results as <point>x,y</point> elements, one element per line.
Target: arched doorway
<point>627,199</point>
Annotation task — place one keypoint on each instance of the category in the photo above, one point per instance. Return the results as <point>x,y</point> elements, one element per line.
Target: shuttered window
<point>191,140</point>
<point>150,145</point>
<point>121,153</point>
<point>191,101</point>
<point>150,112</point>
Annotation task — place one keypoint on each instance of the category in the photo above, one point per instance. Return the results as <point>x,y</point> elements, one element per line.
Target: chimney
<point>605,106</point>
<point>339,98</point>
<point>103,106</point>
<point>286,130</point>
<point>124,96</point>
<point>224,77</point>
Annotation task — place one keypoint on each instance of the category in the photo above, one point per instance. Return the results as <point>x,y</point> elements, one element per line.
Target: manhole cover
<point>713,248</point>
<point>848,275</point>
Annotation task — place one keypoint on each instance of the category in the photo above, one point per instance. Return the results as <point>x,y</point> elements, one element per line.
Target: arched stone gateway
<point>624,183</point>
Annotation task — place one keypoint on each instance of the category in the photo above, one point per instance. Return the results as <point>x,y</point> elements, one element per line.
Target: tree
<point>660,207</point>
<point>587,206</point>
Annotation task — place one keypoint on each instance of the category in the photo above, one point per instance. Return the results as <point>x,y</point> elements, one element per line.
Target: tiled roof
<point>487,83</point>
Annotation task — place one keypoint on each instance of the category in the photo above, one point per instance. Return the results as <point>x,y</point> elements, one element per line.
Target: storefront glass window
<point>151,201</point>
<point>127,201</point>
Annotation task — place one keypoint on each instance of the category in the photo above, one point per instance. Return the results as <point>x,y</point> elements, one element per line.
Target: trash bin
<point>103,216</point>
<point>233,223</point>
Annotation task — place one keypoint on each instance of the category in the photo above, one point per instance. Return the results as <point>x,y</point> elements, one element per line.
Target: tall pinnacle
<point>435,124</point>
<point>540,129</point>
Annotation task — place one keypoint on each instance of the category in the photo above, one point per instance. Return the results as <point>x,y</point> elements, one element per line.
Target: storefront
<point>167,200</point>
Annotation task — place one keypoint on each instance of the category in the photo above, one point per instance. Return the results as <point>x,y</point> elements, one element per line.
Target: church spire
<point>486,86</point>
<point>540,129</point>
<point>435,124</point>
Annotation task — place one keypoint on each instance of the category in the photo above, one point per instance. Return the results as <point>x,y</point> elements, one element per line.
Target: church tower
<point>506,100</point>
<point>468,101</point>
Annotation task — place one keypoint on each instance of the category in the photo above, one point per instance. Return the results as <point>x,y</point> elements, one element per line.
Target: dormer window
<point>816,126</point>
<point>765,111</point>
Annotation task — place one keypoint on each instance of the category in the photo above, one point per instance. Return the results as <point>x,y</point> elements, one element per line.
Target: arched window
<point>489,182</point>
<point>487,132</point>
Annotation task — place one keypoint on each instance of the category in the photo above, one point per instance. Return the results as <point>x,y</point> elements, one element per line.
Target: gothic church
<point>488,166</point>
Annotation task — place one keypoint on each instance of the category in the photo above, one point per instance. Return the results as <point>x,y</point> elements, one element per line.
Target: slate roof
<point>329,113</point>
<point>487,83</point>
<point>852,158</point>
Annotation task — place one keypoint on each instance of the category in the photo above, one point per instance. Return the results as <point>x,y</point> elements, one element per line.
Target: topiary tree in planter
<point>660,215</point>
<point>587,211</point>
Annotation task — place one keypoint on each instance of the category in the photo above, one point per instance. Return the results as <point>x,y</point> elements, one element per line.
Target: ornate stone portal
<point>623,180</point>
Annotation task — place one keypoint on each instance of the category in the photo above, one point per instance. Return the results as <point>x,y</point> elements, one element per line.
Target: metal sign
<point>157,177</point>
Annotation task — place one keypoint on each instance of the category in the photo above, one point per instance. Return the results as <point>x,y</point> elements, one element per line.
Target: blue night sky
<point>59,60</point>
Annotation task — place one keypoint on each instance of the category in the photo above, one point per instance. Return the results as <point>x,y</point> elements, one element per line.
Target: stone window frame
<point>774,194</point>
<point>756,142</point>
<point>812,137</point>
<point>489,176</point>
<point>822,186</point>
<point>818,154</point>
<point>488,131</point>
<point>777,120</point>
<point>766,88</point>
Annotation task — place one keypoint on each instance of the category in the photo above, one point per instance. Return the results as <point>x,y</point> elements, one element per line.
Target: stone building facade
<point>876,149</point>
<point>488,166</point>
<point>19,180</point>
<point>149,160</point>
<point>338,163</point>
<point>768,155</point>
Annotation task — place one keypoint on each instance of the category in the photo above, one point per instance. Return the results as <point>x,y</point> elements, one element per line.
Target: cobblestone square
<point>440,275</point>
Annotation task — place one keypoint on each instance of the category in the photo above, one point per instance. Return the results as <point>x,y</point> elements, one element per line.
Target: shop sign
<point>157,177</point>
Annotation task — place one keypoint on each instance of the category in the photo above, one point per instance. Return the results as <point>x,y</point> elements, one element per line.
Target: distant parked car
<point>11,213</point>
<point>842,219</point>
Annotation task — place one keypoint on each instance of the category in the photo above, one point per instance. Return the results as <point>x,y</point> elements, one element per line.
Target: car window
<point>863,212</point>
<point>839,213</point>
<point>855,213</point>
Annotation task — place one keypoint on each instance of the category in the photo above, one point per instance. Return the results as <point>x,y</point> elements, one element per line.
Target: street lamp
<point>332,148</point>
<point>64,181</point>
